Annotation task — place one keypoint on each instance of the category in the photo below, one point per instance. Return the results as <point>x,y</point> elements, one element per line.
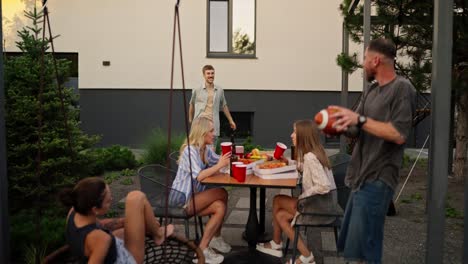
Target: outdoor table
<point>254,230</point>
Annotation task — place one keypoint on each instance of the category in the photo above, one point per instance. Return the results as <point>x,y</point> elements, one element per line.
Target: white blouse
<point>316,179</point>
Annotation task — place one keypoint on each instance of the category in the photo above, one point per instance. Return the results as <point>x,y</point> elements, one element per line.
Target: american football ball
<point>325,122</point>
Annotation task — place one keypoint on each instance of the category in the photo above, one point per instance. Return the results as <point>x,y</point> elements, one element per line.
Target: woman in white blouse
<point>317,178</point>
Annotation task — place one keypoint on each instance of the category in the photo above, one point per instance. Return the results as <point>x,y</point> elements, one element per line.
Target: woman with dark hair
<point>93,243</point>
<point>317,179</point>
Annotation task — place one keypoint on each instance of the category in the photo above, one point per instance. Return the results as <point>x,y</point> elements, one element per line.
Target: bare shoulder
<point>97,245</point>
<point>98,239</point>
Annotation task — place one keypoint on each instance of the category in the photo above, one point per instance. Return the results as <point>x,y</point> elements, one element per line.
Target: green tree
<point>30,192</point>
<point>242,43</point>
<point>410,25</point>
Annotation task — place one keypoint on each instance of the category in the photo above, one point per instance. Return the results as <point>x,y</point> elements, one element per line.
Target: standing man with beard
<point>206,101</point>
<point>384,116</point>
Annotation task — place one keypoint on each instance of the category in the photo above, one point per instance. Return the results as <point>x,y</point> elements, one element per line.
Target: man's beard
<point>370,76</point>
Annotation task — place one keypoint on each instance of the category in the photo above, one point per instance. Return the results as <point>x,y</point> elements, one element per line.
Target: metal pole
<point>465,238</point>
<point>367,29</point>
<point>440,136</point>
<point>4,222</point>
<point>344,81</point>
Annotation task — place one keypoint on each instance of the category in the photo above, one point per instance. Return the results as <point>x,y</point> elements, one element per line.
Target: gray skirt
<point>318,204</point>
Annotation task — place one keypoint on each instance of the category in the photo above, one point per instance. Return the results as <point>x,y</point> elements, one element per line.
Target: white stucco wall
<point>297,43</point>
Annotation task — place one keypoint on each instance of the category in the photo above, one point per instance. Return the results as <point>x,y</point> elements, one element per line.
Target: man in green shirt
<point>206,101</point>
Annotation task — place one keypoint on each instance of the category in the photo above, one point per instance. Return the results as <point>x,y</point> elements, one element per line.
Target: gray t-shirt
<point>374,158</point>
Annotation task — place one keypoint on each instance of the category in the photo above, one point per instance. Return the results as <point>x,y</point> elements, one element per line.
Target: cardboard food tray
<point>252,165</point>
<point>285,175</point>
<point>291,167</point>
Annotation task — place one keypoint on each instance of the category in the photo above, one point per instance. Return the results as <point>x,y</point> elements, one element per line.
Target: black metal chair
<point>339,163</point>
<point>155,184</point>
<point>173,158</point>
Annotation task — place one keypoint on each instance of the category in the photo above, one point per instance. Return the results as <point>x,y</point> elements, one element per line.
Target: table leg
<point>262,211</point>
<point>252,227</point>
<point>262,235</point>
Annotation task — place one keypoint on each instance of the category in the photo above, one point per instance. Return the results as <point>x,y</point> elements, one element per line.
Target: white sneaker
<point>220,245</point>
<point>211,257</point>
<point>273,250</point>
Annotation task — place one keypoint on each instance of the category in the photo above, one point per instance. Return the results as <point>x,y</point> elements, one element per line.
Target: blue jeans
<point>361,235</point>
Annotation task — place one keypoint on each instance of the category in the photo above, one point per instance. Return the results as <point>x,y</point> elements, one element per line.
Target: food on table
<point>256,154</point>
<point>247,161</point>
<point>271,165</point>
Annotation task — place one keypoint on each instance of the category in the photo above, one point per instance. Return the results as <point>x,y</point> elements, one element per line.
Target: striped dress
<point>183,180</point>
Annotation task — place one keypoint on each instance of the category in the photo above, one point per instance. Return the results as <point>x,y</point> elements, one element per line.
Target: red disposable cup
<point>234,167</point>
<point>240,151</point>
<point>240,172</point>
<point>279,150</point>
<point>226,147</point>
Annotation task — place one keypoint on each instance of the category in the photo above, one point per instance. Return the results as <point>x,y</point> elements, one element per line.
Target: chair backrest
<point>173,158</point>
<point>340,163</point>
<point>156,181</point>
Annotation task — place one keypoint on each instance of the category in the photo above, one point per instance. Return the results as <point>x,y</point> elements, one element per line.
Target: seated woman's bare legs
<point>282,202</point>
<point>284,217</point>
<point>139,221</point>
<point>283,214</point>
<point>212,202</point>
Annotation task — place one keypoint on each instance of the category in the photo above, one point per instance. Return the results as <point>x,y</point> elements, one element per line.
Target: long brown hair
<point>308,140</point>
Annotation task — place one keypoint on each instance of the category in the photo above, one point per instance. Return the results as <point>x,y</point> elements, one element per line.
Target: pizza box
<point>275,170</point>
<point>252,165</point>
<point>291,167</point>
<point>285,175</point>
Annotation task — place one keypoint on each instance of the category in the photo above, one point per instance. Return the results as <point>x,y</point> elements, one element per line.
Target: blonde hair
<point>200,127</point>
<point>308,140</point>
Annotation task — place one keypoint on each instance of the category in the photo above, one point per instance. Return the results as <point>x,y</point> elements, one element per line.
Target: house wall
<point>296,44</point>
<point>294,68</point>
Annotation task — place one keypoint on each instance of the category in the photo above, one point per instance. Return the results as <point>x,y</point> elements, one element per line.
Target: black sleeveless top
<point>76,239</point>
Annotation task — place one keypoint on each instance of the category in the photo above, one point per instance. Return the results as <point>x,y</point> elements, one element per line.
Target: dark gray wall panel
<point>127,116</point>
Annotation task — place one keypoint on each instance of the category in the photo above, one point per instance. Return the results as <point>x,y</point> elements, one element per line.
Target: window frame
<point>229,53</point>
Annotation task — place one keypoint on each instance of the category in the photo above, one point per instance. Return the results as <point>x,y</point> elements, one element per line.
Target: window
<point>231,28</point>
<point>244,123</point>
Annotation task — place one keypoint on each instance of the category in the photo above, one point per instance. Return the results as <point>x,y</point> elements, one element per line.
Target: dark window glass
<point>244,123</point>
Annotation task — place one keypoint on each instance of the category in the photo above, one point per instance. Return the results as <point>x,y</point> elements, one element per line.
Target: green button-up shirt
<point>200,98</point>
